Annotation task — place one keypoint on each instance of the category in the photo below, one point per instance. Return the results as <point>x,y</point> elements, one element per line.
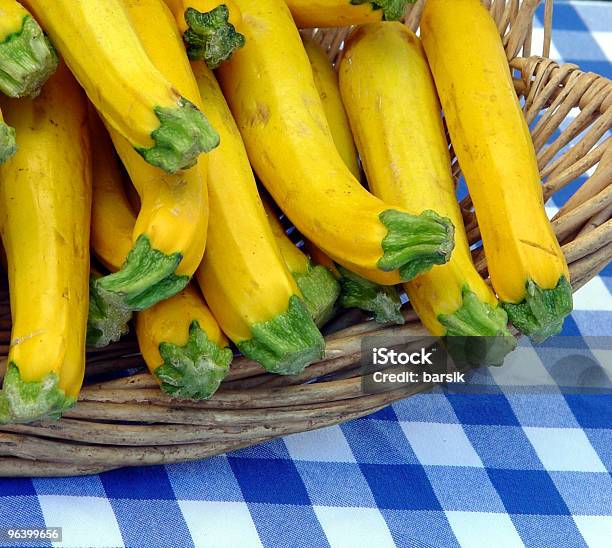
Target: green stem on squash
<point>210,36</point>
<point>27,59</point>
<point>183,134</point>
<point>287,343</point>
<point>194,370</point>
<point>415,243</point>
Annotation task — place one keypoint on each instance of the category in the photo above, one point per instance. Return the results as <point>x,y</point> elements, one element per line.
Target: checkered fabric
<point>450,468</point>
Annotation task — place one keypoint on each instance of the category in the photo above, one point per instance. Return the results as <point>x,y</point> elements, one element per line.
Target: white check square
<point>220,524</point>
<point>564,449</point>
<point>92,520</point>
<point>440,444</point>
<point>477,529</point>
<point>326,445</point>
<point>596,530</point>
<point>349,527</point>
<point>604,41</point>
<point>593,296</point>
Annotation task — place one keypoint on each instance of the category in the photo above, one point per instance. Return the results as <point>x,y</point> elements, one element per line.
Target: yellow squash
<point>112,216</point>
<point>99,44</point>
<point>317,283</point>
<point>343,13</point>
<point>270,89</point>
<point>45,200</point>
<point>326,82</point>
<point>405,154</point>
<point>179,339</point>
<point>492,142</point>
<point>170,232</point>
<point>243,277</point>
<point>112,224</point>
<point>183,346</point>
<point>209,28</point>
<point>27,58</point>
<point>355,291</point>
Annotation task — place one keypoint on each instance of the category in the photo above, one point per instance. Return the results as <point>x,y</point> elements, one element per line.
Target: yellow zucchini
<point>183,346</point>
<point>343,13</point>
<point>45,200</point>
<point>492,142</point>
<point>180,341</point>
<point>243,276</point>
<point>405,155</point>
<point>355,291</point>
<point>326,82</point>
<point>270,89</point>
<point>27,58</point>
<point>317,284</point>
<point>104,53</point>
<point>112,224</point>
<point>208,28</point>
<point>112,216</point>
<point>169,236</point>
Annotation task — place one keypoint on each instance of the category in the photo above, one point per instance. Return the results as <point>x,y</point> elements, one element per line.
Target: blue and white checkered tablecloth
<point>505,468</point>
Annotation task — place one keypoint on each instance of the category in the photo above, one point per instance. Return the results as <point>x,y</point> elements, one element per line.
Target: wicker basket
<point>128,421</point>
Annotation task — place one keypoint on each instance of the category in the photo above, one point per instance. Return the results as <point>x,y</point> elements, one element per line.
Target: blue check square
<point>323,478</point>
<point>287,526</point>
<point>378,442</point>
<point>269,480</point>
<point>400,487</point>
<point>591,410</point>
<point>585,493</point>
<point>420,528</point>
<point>429,407</point>
<point>208,479</point>
<point>483,409</point>
<point>528,492</point>
<point>80,486</point>
<point>548,531</point>
<point>542,410</point>
<point>503,447</point>
<point>570,328</point>
<point>151,523</point>
<point>601,440</point>
<point>481,496</point>
<point>592,322</point>
<point>141,483</point>
<point>21,511</point>
<point>16,487</point>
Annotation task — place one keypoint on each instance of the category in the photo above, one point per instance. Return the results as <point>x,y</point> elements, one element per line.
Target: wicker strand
<point>597,182</point>
<point>589,241</point>
<point>548,20</point>
<point>595,221</point>
<point>19,468</point>
<point>571,173</point>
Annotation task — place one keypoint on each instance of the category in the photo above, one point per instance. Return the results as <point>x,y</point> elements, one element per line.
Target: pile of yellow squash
<point>136,128</point>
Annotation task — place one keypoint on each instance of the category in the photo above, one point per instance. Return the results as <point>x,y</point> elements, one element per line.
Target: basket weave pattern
<point>129,421</point>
